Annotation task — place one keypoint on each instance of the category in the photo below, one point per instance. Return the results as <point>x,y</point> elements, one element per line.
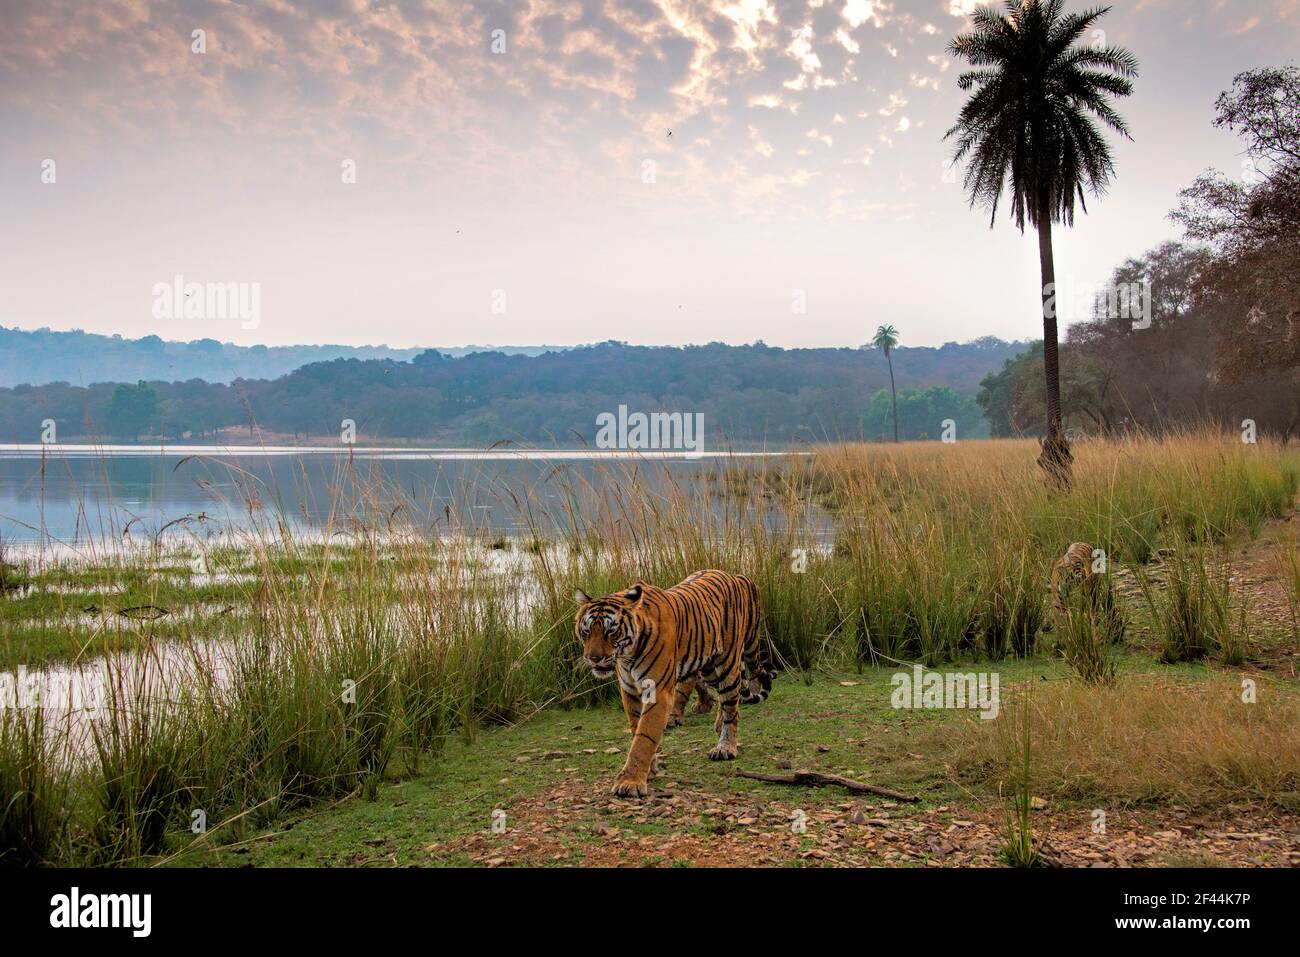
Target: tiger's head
<point>608,626</point>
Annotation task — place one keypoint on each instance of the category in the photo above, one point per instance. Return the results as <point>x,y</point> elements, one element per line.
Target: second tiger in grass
<point>662,641</point>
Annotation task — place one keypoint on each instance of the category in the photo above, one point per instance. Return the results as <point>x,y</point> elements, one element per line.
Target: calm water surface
<point>75,495</point>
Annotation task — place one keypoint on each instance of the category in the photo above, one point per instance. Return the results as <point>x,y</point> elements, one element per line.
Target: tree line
<point>754,394</point>
<point>1220,339</point>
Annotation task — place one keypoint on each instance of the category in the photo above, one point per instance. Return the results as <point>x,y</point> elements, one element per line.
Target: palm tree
<point>1029,129</point>
<point>885,340</point>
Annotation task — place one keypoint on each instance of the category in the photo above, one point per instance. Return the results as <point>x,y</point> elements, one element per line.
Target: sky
<point>501,173</point>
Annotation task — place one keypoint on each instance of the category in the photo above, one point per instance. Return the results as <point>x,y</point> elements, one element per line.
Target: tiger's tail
<point>760,675</point>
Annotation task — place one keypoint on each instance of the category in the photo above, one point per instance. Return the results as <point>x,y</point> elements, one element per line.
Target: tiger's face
<point>607,627</point>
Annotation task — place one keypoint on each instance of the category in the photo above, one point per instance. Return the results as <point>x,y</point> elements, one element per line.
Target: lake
<point>72,496</point>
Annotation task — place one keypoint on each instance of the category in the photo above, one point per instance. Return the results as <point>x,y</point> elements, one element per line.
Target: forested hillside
<point>41,356</point>
<point>747,394</point>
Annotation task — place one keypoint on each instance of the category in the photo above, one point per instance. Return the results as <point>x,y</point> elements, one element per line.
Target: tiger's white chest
<point>631,680</point>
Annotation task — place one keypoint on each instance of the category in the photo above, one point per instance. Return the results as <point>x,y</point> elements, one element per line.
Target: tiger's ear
<point>580,596</point>
<point>634,593</point>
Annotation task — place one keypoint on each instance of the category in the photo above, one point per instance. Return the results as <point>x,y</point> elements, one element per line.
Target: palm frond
<point>1030,131</point>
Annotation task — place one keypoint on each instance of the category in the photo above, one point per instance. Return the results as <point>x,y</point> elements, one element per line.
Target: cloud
<point>858,12</point>
<point>895,103</point>
<point>801,49</point>
<point>864,159</point>
<point>749,16</point>
<point>581,94</point>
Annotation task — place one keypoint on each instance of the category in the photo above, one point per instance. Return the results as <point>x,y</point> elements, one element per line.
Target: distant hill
<point>83,358</point>
<point>748,394</point>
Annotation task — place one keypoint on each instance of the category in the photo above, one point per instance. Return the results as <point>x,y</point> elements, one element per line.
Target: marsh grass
<point>1289,561</point>
<point>1011,604</point>
<point>1186,738</point>
<point>34,786</point>
<point>1019,848</point>
<point>1090,631</point>
<point>1193,610</point>
<point>141,750</point>
<point>355,653</point>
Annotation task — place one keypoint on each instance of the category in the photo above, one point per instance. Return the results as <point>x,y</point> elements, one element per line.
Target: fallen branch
<point>144,612</point>
<point>817,779</point>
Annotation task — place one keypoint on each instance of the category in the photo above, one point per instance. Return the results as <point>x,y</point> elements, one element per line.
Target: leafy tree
<point>922,412</point>
<point>133,409</point>
<point>1028,129</point>
<point>999,390</point>
<point>1253,226</point>
<point>1116,376</point>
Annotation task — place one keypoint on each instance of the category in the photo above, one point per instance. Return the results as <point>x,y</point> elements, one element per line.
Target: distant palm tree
<point>1027,128</point>
<point>885,340</point>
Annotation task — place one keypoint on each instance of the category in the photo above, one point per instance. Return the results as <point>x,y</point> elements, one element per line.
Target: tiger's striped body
<point>661,643</point>
<point>1073,570</point>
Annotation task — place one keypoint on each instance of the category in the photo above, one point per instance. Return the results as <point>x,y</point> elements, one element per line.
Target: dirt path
<point>576,823</point>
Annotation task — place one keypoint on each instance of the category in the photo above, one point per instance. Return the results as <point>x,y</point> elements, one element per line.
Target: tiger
<point>1074,568</point>
<point>662,643</point>
<point>703,704</point>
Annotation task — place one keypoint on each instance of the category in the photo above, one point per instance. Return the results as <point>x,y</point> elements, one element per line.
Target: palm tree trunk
<point>893,395</point>
<point>1051,360</point>
<point>1055,457</point>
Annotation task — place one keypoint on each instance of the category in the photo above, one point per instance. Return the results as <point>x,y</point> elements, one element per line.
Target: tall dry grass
<point>363,647</point>
<point>1144,739</point>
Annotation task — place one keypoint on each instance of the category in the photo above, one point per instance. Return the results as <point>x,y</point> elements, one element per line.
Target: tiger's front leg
<point>683,695</point>
<point>728,723</point>
<point>632,708</point>
<point>631,781</point>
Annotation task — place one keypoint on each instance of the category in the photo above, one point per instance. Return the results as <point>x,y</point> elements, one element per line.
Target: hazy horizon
<point>806,160</point>
<point>484,347</point>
